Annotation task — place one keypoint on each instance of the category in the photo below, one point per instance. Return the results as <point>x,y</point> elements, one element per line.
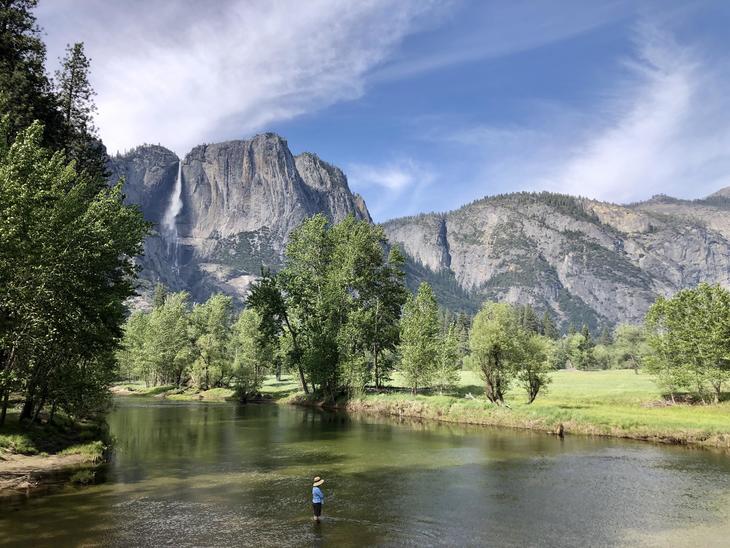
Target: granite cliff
<point>237,203</point>
<point>226,209</point>
<point>583,260</point>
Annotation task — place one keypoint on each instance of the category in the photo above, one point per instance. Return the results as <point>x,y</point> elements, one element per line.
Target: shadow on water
<point>215,475</point>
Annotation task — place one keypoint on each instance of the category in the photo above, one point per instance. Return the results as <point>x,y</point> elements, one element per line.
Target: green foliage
<point>527,318</point>
<point>203,346</point>
<point>548,327</point>
<point>66,248</point>
<point>209,329</point>
<point>336,302</point>
<point>419,348</point>
<point>630,347</point>
<point>495,348</point>
<point>75,98</point>
<point>690,338</point>
<point>253,354</point>
<point>448,365</point>
<point>26,93</point>
<point>533,373</point>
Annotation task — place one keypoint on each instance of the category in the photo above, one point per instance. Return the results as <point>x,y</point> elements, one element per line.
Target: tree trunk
<point>295,344</point>
<point>375,368</point>
<point>3,412</point>
<point>27,411</point>
<point>38,410</point>
<point>53,413</point>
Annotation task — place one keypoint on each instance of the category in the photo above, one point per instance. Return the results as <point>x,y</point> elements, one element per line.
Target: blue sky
<point>426,105</point>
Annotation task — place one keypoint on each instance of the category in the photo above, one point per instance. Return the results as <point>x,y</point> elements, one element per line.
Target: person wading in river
<point>317,497</point>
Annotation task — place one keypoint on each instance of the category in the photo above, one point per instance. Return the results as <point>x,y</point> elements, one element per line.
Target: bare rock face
<point>240,200</point>
<point>582,260</point>
<point>149,173</point>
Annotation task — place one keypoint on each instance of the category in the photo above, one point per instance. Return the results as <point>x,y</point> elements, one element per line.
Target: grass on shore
<point>612,403</point>
<point>271,388</point>
<point>64,436</point>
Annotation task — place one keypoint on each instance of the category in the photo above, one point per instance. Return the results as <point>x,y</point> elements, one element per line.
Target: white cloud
<point>182,73</point>
<point>634,154</point>
<point>663,128</point>
<point>403,181</point>
<point>496,29</point>
<point>393,176</point>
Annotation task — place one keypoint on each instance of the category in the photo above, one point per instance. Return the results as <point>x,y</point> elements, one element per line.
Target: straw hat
<point>317,482</point>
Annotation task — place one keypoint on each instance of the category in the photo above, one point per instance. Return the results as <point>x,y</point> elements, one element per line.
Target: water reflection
<point>221,474</point>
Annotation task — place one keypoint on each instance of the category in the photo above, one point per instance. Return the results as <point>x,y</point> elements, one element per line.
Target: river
<point>192,474</point>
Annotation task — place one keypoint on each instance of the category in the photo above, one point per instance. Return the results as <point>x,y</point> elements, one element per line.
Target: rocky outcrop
<point>584,261</point>
<point>240,201</point>
<point>149,172</point>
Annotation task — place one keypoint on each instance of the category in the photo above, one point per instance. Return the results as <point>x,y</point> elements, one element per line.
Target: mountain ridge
<point>583,260</point>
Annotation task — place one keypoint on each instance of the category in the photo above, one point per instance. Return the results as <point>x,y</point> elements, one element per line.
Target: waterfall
<point>169,224</point>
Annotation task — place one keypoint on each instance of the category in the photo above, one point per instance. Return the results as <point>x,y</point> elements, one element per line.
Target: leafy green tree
<point>210,330</point>
<point>583,356</point>
<point>337,300</point>
<point>534,367</point>
<point>419,338</point>
<point>528,319</point>
<point>383,330</point>
<point>275,308</point>
<point>446,372</point>
<point>630,347</point>
<point>66,268</point>
<point>690,337</point>
<point>605,337</point>
<point>168,349</point>
<point>252,354</point>
<point>132,354</point>
<point>495,348</point>
<point>602,356</point>
<point>372,292</point>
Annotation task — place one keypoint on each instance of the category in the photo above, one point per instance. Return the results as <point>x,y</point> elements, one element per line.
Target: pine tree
<point>159,296</point>
<point>26,94</point>
<point>76,104</point>
<point>548,327</point>
<point>528,319</point>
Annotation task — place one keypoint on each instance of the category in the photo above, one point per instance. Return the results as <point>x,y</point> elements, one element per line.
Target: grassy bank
<point>33,455</point>
<point>271,389</point>
<point>606,403</point>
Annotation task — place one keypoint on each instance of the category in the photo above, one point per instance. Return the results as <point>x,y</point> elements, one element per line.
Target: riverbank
<point>611,403</point>
<point>598,403</point>
<point>271,390</point>
<point>32,457</point>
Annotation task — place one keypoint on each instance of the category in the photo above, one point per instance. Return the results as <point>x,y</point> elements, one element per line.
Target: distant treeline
<point>338,316</point>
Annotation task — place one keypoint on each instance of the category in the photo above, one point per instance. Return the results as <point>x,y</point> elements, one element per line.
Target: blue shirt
<point>317,495</point>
